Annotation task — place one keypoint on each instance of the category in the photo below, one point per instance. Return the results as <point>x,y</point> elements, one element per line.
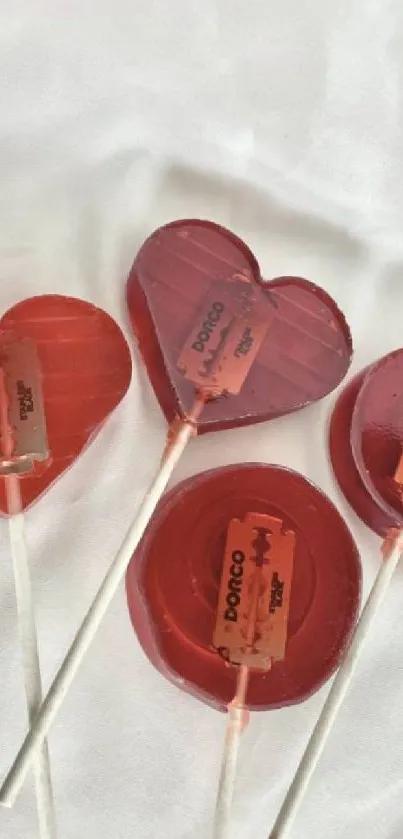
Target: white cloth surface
<point>283,122</point>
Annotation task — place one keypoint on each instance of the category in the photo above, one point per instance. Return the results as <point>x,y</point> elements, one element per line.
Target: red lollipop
<point>206,321</point>
<point>64,366</point>
<point>306,602</point>
<point>173,583</point>
<point>366,443</point>
<point>222,348</point>
<point>366,448</point>
<point>377,434</point>
<point>85,371</point>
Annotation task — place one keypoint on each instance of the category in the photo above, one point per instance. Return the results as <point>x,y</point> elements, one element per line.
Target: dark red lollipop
<point>64,366</point>
<point>377,433</point>
<point>86,370</point>
<point>193,280</point>
<point>173,582</point>
<point>366,442</point>
<point>366,445</point>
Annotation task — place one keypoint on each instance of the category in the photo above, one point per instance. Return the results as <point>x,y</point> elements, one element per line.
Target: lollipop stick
<point>30,655</point>
<point>178,439</point>
<point>237,721</point>
<point>393,549</point>
<point>236,724</point>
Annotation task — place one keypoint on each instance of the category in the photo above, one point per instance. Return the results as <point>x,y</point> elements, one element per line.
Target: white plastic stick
<point>30,657</point>
<point>228,774</point>
<point>236,724</point>
<point>65,676</point>
<point>336,695</point>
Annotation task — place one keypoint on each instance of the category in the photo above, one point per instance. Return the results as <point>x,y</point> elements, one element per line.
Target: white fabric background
<point>284,122</point>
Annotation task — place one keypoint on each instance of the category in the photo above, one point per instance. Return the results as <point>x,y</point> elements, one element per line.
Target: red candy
<point>86,369</point>
<point>174,577</point>
<point>366,443</point>
<point>300,339</point>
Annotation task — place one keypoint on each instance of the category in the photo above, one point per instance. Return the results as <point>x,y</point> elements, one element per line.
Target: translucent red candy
<point>366,443</point>
<point>174,577</point>
<point>86,368</point>
<point>304,355</point>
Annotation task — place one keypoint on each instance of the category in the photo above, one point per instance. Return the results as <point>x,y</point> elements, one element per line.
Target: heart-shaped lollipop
<point>64,366</point>
<point>187,285</point>
<point>86,370</point>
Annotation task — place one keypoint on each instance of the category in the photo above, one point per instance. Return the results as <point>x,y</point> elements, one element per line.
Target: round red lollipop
<point>377,434</point>
<point>366,437</point>
<point>174,576</point>
<point>366,443</point>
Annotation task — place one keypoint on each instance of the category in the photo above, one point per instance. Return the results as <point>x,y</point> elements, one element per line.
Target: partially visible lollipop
<point>239,596</point>
<point>85,370</point>
<point>222,348</point>
<point>366,448</point>
<point>64,366</point>
<point>377,435</point>
<point>24,447</point>
<point>366,439</point>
